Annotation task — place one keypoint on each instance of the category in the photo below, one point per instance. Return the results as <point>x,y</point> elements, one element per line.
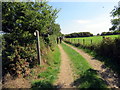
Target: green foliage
<point>18,59</point>
<point>38,84</point>
<point>117,32</point>
<point>50,74</point>
<point>110,48</point>
<point>80,34</point>
<point>115,22</point>
<point>28,17</point>
<point>19,22</point>
<point>110,33</point>
<point>115,11</point>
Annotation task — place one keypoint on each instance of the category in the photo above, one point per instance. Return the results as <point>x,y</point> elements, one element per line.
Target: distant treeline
<point>88,34</point>
<point>80,34</point>
<point>110,33</point>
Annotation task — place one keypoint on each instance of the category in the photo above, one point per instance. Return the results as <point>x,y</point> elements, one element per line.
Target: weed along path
<point>65,77</point>
<point>110,77</point>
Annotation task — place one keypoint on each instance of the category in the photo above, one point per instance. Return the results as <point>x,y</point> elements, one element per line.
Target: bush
<point>109,48</point>
<point>17,59</point>
<point>105,48</point>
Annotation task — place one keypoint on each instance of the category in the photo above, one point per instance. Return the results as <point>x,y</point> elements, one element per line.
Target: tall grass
<point>86,76</point>
<point>47,78</point>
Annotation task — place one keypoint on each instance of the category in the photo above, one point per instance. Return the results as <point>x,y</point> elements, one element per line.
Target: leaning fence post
<point>38,46</point>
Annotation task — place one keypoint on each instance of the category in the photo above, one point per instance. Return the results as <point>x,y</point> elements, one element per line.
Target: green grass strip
<point>88,77</point>
<point>80,64</point>
<point>50,74</point>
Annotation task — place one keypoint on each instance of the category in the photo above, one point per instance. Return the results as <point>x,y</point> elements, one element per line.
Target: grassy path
<point>84,75</point>
<point>65,77</point>
<point>107,74</point>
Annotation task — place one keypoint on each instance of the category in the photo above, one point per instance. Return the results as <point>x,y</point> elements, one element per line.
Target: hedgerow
<point>19,22</point>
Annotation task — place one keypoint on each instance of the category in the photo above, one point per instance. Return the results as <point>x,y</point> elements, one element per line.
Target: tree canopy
<point>115,13</point>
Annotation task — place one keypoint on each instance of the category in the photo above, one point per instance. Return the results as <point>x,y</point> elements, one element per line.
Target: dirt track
<point>65,77</point>
<point>110,77</point>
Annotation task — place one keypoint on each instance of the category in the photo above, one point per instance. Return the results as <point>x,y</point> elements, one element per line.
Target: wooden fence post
<point>91,41</point>
<point>38,47</point>
<point>83,41</point>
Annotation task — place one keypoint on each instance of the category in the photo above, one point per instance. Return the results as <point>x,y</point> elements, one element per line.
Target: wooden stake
<point>38,47</point>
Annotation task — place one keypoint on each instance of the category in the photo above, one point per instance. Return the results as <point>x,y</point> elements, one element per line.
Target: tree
<point>116,21</point>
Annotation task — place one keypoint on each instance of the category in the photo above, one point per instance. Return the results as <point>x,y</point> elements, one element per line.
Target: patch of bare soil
<point>17,83</point>
<point>65,77</point>
<point>109,76</point>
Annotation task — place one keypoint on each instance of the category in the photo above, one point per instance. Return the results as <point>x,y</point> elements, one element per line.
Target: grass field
<point>90,40</point>
<point>86,76</point>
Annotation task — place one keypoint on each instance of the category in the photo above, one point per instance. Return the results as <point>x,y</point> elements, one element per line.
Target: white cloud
<point>95,26</point>
<point>100,24</point>
<point>82,21</point>
<point>98,27</point>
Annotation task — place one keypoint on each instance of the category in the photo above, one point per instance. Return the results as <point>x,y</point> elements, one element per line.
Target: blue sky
<point>91,17</point>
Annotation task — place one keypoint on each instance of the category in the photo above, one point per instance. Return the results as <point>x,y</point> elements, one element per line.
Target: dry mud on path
<point>65,77</point>
<point>110,77</point>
